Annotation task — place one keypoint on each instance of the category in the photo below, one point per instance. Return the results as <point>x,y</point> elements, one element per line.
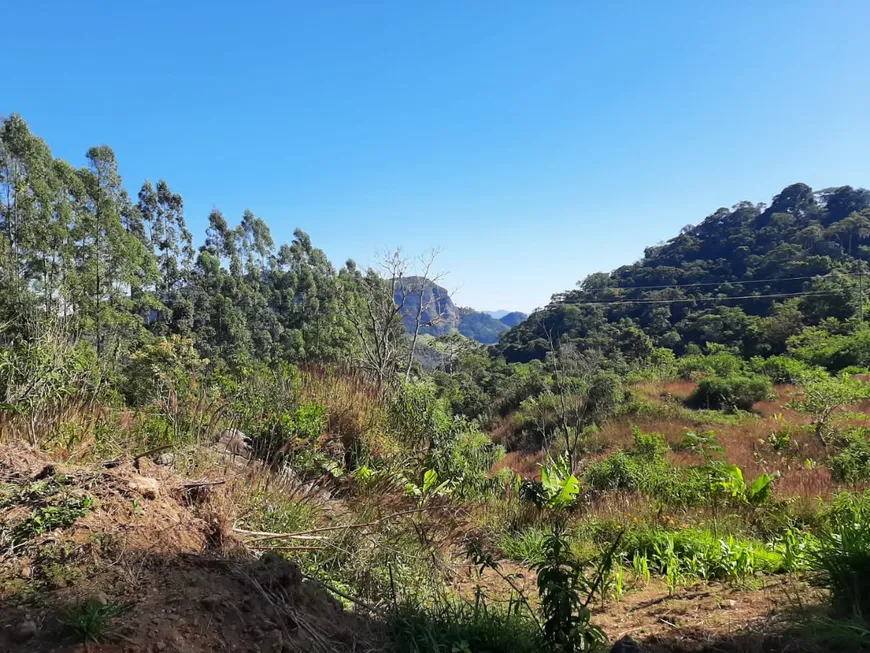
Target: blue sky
<point>534,142</point>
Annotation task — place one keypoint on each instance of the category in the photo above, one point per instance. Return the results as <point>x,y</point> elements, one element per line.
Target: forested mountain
<point>480,327</point>
<point>513,318</point>
<point>747,277</point>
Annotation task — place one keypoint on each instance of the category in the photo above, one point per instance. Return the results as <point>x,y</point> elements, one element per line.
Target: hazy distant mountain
<point>443,314</point>
<point>497,314</point>
<point>439,309</point>
<point>512,319</point>
<point>481,327</point>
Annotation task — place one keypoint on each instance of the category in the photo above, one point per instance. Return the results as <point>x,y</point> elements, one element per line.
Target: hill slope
<point>512,319</point>
<point>795,262</point>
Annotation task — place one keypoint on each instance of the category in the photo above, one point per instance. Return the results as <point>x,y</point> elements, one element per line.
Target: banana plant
<point>560,486</point>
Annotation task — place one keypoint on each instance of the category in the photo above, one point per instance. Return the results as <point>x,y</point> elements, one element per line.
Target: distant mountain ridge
<point>513,318</point>
<point>441,316</point>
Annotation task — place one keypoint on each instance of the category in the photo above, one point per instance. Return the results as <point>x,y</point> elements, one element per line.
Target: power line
<point>693,300</point>
<point>722,283</point>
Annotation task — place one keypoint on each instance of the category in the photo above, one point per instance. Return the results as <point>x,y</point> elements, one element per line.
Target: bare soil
<point>168,561</point>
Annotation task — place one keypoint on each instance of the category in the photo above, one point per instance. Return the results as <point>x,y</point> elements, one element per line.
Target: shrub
<point>823,399</point>
<point>782,369</point>
<point>852,370</point>
<point>464,455</point>
<point>163,370</point>
<point>852,463</point>
<point>825,347</point>
<point>842,559</point>
<point>619,471</point>
<point>650,474</point>
<point>526,546</point>
<point>720,364</point>
<point>565,592</point>
<point>44,373</point>
<point>731,392</point>
<point>647,470</point>
<point>650,445</point>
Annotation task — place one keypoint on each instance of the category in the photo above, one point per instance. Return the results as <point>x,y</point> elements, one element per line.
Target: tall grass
<point>842,559</point>
<point>453,626</point>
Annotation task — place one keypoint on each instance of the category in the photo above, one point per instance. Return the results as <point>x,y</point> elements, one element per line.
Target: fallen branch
<point>265,535</point>
<point>109,464</point>
<point>288,548</point>
<point>198,484</point>
<point>325,529</point>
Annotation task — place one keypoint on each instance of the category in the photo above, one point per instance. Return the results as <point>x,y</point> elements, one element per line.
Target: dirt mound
<point>145,562</point>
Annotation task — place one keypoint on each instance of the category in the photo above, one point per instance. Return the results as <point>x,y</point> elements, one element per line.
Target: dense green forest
<point>747,278</point>
<point>120,269</point>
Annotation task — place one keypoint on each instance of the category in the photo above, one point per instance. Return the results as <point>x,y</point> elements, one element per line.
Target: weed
<point>640,567</point>
<point>694,553</point>
<point>852,463</point>
<point>841,560</point>
<point>618,584</point>
<point>90,621</point>
<point>526,546</point>
<point>558,488</point>
<point>796,547</point>
<point>453,626</point>
<point>48,518</point>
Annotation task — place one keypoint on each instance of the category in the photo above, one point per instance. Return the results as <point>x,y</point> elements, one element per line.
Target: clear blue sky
<point>535,142</point>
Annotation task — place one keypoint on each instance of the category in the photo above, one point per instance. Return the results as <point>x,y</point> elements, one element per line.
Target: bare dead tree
<point>371,307</point>
<point>422,287</point>
<point>377,301</point>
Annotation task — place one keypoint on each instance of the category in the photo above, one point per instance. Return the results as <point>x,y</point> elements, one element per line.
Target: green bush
<point>841,561</point>
<point>166,368</point>
<point>42,373</point>
<point>721,363</point>
<point>852,463</point>
<point>782,369</point>
<point>650,445</point>
<point>525,546</point>
<point>731,392</point>
<point>852,370</point>
<point>834,345</point>
<point>565,591</point>
<point>619,471</point>
<point>645,469</point>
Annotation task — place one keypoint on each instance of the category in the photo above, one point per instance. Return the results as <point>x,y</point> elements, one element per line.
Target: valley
<point>242,447</point>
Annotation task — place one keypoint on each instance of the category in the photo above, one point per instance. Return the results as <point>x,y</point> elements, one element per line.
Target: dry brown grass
<point>355,413</point>
<point>523,463</point>
<point>745,443</point>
